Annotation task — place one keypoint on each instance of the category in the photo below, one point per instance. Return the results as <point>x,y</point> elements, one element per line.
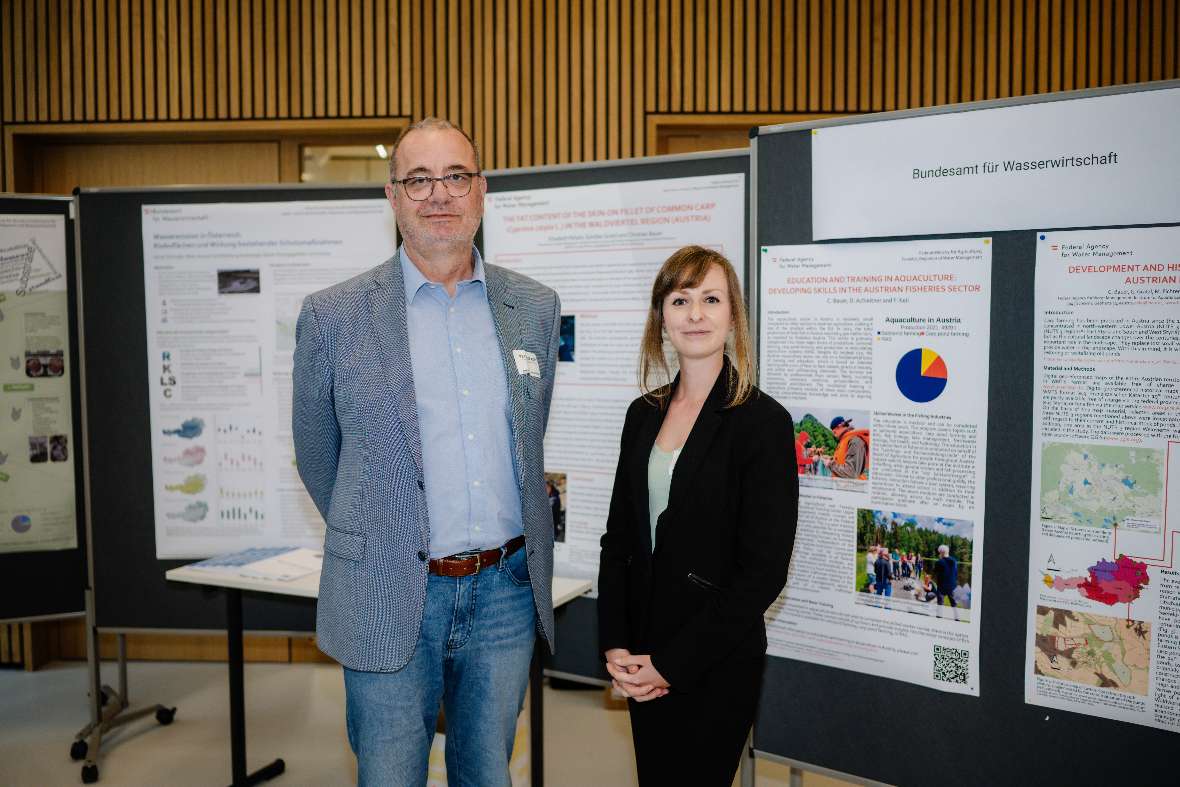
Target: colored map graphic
<point>921,375</point>
<point>189,457</point>
<point>193,512</point>
<point>1109,583</point>
<point>192,485</point>
<point>1092,649</point>
<point>1102,485</point>
<point>191,429</point>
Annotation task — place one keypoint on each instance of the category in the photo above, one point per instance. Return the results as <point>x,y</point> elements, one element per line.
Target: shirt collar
<point>414,279</point>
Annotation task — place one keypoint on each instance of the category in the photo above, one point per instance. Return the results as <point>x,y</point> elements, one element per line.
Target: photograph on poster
<point>59,448</point>
<point>555,489</point>
<point>565,346</point>
<point>914,563</point>
<point>45,363</point>
<point>38,448</point>
<point>1093,650</point>
<point>238,282</point>
<point>832,445</point>
<point>1102,486</point>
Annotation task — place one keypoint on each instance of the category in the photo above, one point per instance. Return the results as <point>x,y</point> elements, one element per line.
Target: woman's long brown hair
<point>687,268</point>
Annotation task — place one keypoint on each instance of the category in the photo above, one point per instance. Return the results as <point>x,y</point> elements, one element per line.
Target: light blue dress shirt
<point>464,413</point>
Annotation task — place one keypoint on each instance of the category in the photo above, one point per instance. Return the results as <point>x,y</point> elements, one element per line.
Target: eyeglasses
<point>420,187</point>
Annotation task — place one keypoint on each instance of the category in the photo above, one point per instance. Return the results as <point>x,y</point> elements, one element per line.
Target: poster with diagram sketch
<point>1103,625</point>
<point>37,494</point>
<point>224,284</point>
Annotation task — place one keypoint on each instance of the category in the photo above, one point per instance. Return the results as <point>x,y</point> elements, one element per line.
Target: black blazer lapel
<point>696,447</point>
<point>645,438</point>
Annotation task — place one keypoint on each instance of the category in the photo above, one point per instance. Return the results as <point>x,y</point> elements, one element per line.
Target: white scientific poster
<point>600,247</point>
<point>880,353</point>
<point>37,497</point>
<point>224,284</point>
<point>1103,634</point>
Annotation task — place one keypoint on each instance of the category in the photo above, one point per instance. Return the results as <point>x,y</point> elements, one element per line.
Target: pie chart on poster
<point>21,523</point>
<point>921,375</point>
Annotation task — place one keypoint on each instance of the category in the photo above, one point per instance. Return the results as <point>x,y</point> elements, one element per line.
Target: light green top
<point>660,465</point>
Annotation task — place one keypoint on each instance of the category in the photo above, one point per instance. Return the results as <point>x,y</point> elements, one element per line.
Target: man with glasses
<point>421,395</point>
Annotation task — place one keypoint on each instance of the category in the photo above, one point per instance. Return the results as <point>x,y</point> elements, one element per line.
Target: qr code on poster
<point>950,664</point>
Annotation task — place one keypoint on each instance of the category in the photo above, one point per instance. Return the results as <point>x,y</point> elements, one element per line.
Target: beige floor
<point>294,711</point>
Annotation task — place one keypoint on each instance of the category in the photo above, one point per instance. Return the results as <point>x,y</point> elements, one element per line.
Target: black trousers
<point>696,737</point>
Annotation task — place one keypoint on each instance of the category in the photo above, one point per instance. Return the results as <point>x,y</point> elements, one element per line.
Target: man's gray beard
<point>426,242</point>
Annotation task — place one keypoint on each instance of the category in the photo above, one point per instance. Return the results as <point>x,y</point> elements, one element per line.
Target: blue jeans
<point>473,656</point>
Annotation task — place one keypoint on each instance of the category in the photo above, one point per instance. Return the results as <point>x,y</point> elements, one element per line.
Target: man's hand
<point>636,677</point>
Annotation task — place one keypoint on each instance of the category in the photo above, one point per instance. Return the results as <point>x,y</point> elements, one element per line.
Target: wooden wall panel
<point>553,81</point>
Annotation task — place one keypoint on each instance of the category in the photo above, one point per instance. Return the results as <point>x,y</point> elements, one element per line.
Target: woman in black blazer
<point>680,624</point>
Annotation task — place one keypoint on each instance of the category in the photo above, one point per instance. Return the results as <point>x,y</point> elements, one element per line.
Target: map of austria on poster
<point>1102,486</point>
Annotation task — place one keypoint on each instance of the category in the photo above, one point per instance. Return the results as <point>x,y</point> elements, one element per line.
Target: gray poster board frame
<point>869,729</point>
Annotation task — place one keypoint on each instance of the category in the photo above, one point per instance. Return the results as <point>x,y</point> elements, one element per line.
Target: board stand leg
<point>237,699</point>
<point>108,707</point>
<point>746,769</point>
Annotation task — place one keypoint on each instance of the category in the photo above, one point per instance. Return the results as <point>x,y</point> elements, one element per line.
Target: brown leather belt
<point>465,566</point>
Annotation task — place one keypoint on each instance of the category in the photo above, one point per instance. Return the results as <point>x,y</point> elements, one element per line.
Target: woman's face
<point>698,319</point>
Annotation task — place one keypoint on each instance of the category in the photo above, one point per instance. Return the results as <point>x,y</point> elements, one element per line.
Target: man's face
<point>439,222</point>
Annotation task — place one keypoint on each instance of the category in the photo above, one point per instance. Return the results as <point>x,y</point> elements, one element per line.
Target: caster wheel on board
<point>89,774</point>
<point>165,715</point>
<point>78,750</point>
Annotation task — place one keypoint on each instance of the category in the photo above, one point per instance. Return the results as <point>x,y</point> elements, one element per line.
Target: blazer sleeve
<point>313,412</point>
<point>551,371</point>
<point>617,544</point>
<point>768,513</point>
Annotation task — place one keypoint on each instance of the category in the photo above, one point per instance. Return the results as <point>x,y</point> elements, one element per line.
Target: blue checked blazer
<point>359,453</point>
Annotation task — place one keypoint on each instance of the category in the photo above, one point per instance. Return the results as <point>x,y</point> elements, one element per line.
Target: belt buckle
<point>478,559</point>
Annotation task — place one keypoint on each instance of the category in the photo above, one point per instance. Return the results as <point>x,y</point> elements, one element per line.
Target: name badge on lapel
<point>526,363</point>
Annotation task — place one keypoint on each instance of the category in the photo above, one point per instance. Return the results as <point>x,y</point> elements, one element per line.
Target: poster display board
<point>879,351</point>
<point>223,284</point>
<point>1074,381</point>
<point>42,545</point>
<point>1104,585</point>
<point>600,247</point>
<point>189,299</point>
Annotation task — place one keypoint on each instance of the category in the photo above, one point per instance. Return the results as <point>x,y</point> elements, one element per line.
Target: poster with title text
<point>600,247</point>
<point>224,284</point>
<point>1103,632</point>
<point>880,353</point>
<point>37,495</point>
